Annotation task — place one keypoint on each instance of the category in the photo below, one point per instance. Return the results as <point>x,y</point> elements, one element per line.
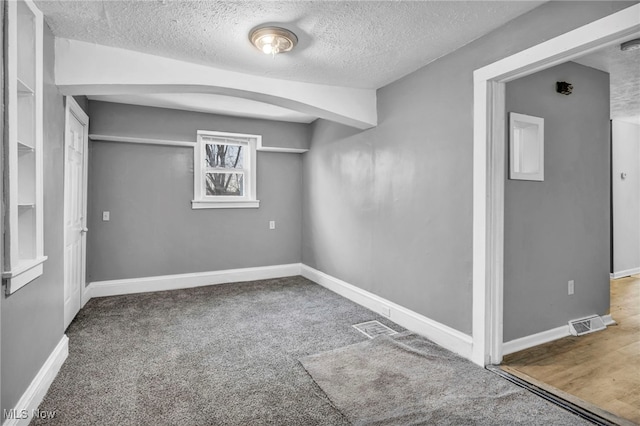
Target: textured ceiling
<point>362,44</point>
<point>624,70</point>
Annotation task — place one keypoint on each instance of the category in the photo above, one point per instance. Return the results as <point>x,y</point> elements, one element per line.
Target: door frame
<point>489,118</point>
<point>72,107</point>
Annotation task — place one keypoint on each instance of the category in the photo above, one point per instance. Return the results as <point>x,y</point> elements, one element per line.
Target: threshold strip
<point>551,397</point>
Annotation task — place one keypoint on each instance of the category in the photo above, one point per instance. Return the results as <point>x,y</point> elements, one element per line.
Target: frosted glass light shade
<point>273,40</point>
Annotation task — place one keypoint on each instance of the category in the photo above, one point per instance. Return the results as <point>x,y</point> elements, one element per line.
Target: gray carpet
<point>219,355</point>
<point>224,354</point>
<point>405,379</point>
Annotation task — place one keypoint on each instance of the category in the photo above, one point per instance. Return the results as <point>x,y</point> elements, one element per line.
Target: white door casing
<point>75,207</point>
<point>489,162</point>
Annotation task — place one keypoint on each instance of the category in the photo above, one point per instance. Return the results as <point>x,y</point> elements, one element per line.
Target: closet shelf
<point>24,147</point>
<point>24,89</point>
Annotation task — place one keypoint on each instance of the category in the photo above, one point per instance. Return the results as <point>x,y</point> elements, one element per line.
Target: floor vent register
<point>372,329</point>
<point>586,325</point>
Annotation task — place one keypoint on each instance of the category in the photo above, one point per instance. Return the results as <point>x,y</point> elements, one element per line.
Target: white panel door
<point>75,208</point>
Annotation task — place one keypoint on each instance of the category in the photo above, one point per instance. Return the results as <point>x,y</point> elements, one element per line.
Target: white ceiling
<point>364,44</point>
<point>360,44</point>
<point>624,70</point>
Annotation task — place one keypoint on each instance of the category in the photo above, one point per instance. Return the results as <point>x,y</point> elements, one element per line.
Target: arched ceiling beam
<point>90,69</point>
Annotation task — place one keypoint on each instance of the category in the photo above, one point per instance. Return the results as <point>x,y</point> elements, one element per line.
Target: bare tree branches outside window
<point>227,178</point>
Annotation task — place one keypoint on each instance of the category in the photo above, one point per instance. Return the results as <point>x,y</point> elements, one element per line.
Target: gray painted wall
<point>161,123</point>
<point>32,318</point>
<point>389,209</point>
<point>148,191</point>
<point>625,144</point>
<point>558,230</point>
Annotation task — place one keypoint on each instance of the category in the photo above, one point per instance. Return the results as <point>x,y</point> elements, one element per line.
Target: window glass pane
<point>224,184</point>
<point>224,156</point>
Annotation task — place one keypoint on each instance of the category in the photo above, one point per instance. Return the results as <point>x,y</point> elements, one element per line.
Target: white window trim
<point>249,200</point>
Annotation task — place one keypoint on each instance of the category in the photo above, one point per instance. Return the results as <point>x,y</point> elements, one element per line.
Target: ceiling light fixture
<point>630,45</point>
<point>273,40</point>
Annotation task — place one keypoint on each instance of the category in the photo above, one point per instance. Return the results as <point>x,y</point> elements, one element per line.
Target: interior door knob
<point>84,230</point>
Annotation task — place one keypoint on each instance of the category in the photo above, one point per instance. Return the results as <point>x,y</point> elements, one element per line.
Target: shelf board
<point>24,206</point>
<point>150,141</point>
<point>24,89</point>
<point>23,265</point>
<point>23,273</point>
<point>23,147</point>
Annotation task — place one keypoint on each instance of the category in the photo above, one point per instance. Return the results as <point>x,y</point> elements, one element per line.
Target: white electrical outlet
<point>571,287</point>
<point>105,216</point>
<point>272,224</point>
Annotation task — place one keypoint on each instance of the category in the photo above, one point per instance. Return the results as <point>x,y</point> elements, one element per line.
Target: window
<point>225,170</point>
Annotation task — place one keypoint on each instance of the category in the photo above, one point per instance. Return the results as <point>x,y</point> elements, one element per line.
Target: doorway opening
<point>490,166</point>
<point>489,163</point>
<point>597,370</point>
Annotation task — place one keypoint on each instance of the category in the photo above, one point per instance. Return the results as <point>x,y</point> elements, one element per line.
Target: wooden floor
<point>602,368</point>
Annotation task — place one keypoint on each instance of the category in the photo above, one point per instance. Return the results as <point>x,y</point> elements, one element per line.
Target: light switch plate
<point>105,216</point>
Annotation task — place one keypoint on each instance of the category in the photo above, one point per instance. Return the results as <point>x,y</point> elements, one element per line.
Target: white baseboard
<point>180,281</point>
<point>543,337</point>
<point>608,320</point>
<point>535,339</point>
<point>32,397</point>
<point>625,273</point>
<point>441,334</point>
<point>85,296</point>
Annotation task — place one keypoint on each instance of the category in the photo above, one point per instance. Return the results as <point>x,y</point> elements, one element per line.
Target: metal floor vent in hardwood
<point>586,325</point>
<point>372,329</point>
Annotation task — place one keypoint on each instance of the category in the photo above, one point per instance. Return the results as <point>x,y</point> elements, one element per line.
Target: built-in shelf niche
<point>27,50</point>
<point>26,232</point>
<point>23,239</point>
<point>26,177</point>
<point>26,120</point>
<point>526,147</point>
